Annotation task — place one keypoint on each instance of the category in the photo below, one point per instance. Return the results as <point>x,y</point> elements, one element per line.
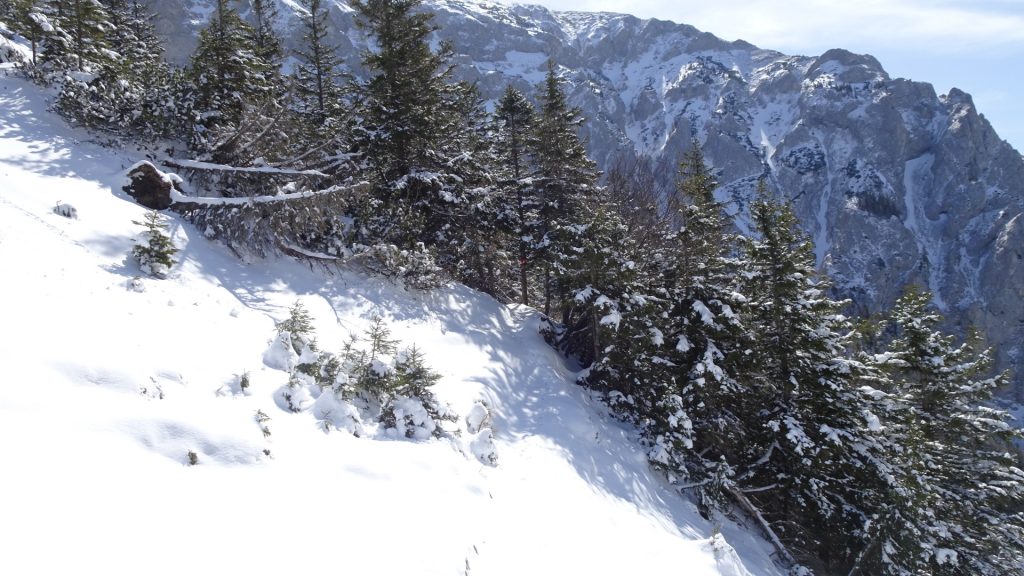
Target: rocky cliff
<point>895,183</point>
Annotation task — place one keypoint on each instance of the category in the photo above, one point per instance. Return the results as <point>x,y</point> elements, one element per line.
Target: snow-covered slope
<point>895,183</point>
<point>105,389</point>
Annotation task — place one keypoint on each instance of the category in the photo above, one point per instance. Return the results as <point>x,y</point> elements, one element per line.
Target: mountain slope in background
<point>109,382</point>
<point>895,183</point>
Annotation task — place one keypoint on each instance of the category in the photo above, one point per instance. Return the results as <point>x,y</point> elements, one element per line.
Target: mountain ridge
<point>895,183</point>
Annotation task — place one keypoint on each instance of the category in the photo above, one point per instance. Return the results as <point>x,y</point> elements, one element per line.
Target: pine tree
<point>703,326</point>
<point>957,507</point>
<point>29,18</point>
<point>78,41</point>
<point>565,179</point>
<point>374,377</point>
<point>518,212</point>
<point>418,139</point>
<point>154,251</point>
<point>130,93</point>
<point>413,407</point>
<point>316,76</point>
<point>266,44</point>
<point>811,462</point>
<point>226,79</point>
<point>298,326</point>
<point>402,98</point>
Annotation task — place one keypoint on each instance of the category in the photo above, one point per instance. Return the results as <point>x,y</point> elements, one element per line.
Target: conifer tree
<point>810,462</point>
<point>702,324</point>
<point>78,41</point>
<point>958,506</point>
<point>316,75</point>
<point>417,139</point>
<point>565,178</point>
<point>518,214</point>
<point>402,98</point>
<point>29,18</point>
<point>413,407</point>
<point>266,44</point>
<point>226,78</point>
<point>130,93</point>
<point>154,251</point>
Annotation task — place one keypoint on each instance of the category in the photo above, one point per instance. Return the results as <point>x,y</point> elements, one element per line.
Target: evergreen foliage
<point>229,88</point>
<point>958,510</point>
<point>266,44</point>
<point>154,251</point>
<point>519,206</point>
<point>317,79</point>
<point>412,409</point>
<point>873,450</point>
<point>130,93</point>
<point>78,41</point>
<point>417,140</point>
<point>29,19</point>
<point>566,180</point>
<point>810,460</point>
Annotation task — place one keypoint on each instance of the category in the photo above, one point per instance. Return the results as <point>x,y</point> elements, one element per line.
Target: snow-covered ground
<point>104,390</point>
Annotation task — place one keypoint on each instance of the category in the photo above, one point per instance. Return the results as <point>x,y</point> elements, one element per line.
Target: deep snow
<point>104,390</point>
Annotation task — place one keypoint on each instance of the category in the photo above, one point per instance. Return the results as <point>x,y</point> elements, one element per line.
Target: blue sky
<point>977,45</point>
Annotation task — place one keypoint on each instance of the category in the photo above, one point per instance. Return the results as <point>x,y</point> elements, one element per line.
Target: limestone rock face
<point>895,183</point>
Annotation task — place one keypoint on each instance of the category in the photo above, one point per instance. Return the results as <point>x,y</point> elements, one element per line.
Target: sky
<point>974,45</point>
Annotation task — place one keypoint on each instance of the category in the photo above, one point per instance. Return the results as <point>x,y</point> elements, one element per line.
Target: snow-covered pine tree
<point>266,44</point>
<point>565,180</point>
<point>225,81</point>
<point>958,506</point>
<point>154,251</point>
<point>418,137</point>
<point>78,41</point>
<point>468,238</point>
<point>598,277</point>
<point>517,212</point>
<point>810,463</point>
<point>702,325</point>
<point>412,408</point>
<point>316,77</point>
<point>29,18</point>
<point>131,92</point>
<point>374,377</point>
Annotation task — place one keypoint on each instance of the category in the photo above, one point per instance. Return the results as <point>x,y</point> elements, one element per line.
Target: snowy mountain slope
<point>895,183</point>
<point>105,389</point>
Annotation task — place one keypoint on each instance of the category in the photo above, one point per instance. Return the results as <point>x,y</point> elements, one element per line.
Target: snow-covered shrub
<point>367,382</point>
<point>135,284</point>
<point>416,267</point>
<point>479,417</point>
<point>482,446</point>
<point>412,410</point>
<point>66,210</point>
<point>154,250</point>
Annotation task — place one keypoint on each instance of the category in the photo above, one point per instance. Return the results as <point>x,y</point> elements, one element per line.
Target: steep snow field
<point>105,389</point>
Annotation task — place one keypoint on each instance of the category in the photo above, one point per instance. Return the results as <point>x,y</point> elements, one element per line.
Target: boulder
<point>151,187</point>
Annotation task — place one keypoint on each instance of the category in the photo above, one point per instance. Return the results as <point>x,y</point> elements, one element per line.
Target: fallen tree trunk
<point>299,224</point>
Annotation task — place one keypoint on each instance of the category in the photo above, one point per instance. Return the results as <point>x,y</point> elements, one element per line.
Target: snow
<point>917,182</point>
<point>102,403</point>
